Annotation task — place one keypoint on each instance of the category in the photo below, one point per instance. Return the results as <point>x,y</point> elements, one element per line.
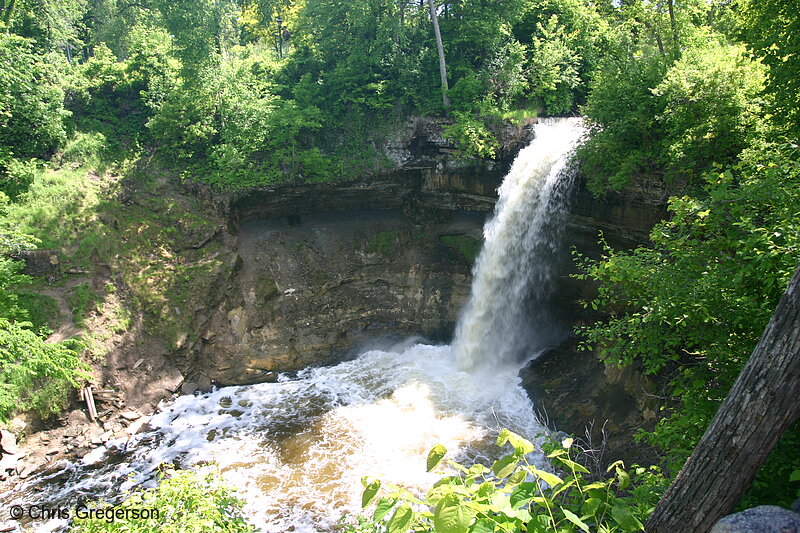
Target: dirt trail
<point>67,328</point>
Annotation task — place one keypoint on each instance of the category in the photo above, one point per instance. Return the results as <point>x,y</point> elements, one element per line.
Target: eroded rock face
<point>312,289</point>
<point>580,395</point>
<point>422,171</point>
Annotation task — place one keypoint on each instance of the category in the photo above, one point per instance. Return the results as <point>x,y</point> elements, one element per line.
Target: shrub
<point>34,374</point>
<point>514,495</point>
<point>187,501</point>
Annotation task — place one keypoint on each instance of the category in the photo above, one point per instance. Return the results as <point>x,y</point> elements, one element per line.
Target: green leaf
<point>795,476</point>
<point>572,517</point>
<point>435,456</point>
<point>382,508</point>
<point>539,524</point>
<point>547,477</point>
<point>448,480</point>
<point>521,446</point>
<point>575,466</point>
<point>517,477</point>
<point>370,491</point>
<point>504,466</point>
<point>590,506</point>
<point>523,494</point>
<point>401,520</point>
<point>484,525</point>
<point>486,489</point>
<point>452,515</point>
<point>623,479</point>
<point>623,516</point>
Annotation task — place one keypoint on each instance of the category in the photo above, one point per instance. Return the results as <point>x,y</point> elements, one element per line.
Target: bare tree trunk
<point>657,37</point>
<point>760,406</point>
<point>440,49</point>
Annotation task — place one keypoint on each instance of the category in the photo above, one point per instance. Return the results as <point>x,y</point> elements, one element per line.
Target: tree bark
<point>760,406</point>
<point>440,49</point>
<point>674,27</point>
<point>8,11</point>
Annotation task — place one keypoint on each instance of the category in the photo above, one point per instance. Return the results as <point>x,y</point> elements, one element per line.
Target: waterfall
<point>513,276</point>
<point>297,449</point>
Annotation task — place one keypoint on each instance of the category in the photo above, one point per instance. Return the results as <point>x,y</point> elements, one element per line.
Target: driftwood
<point>90,405</point>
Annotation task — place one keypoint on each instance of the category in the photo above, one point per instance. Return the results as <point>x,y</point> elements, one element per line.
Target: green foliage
<point>514,496</point>
<point>383,243</point>
<point>554,67</point>
<point>42,311</point>
<point>82,301</point>
<point>712,108</point>
<point>622,115</point>
<point>565,39</point>
<point>31,102</point>
<point>772,30</point>
<point>696,302</point>
<point>19,175</point>
<point>471,135</point>
<point>673,122</point>
<point>468,247</point>
<point>12,241</point>
<point>191,501</point>
<point>36,375</point>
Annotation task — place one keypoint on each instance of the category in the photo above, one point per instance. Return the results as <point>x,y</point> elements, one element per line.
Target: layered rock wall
<point>327,269</point>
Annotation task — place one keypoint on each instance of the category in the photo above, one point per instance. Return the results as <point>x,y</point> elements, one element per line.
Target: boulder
<point>761,519</point>
<point>8,442</point>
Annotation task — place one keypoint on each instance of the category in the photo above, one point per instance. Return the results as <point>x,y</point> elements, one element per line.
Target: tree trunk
<point>674,27</point>
<point>8,12</point>
<point>440,49</point>
<point>760,406</point>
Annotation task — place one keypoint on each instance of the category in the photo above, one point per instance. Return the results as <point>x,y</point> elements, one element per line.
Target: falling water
<point>297,449</point>
<point>507,314</point>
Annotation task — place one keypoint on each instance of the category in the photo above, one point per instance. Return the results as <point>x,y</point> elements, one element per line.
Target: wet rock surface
<point>604,405</point>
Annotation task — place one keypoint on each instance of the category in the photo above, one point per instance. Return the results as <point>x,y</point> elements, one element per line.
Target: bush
<point>187,501</point>
<point>472,136</point>
<point>19,175</point>
<point>31,101</point>
<point>515,496</point>
<point>34,374</point>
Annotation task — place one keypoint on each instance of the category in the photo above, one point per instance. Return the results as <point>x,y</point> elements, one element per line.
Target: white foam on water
<point>297,449</point>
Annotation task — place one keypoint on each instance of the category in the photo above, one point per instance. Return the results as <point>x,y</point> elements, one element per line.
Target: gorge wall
<point>329,269</point>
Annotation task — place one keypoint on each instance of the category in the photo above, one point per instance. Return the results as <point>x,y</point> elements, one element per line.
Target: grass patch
<point>467,247</point>
<point>82,301</point>
<point>42,311</point>
<point>383,242</point>
<point>519,116</point>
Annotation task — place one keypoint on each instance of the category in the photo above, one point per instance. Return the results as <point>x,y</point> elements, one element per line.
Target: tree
<point>772,29</point>
<point>31,100</point>
<point>440,50</point>
<point>761,405</point>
